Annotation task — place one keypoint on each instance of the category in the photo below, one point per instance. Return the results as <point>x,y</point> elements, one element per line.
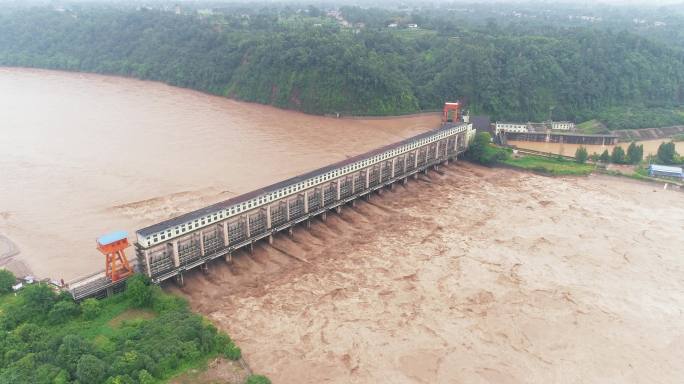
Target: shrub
<point>7,280</point>
<point>38,299</point>
<point>90,308</point>
<point>581,155</point>
<point>667,153</point>
<point>138,290</point>
<point>232,351</point>
<point>90,369</point>
<point>635,153</point>
<point>162,302</point>
<point>63,311</point>
<point>144,377</point>
<point>605,156</point>
<point>482,151</point>
<point>618,155</point>
<point>258,379</point>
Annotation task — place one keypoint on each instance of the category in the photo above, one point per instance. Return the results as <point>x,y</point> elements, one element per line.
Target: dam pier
<point>167,249</point>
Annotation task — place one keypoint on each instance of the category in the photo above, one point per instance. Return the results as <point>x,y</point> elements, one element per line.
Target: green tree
<point>90,308</point>
<point>581,155</point>
<point>90,369</point>
<point>258,379</point>
<point>70,350</point>
<point>61,378</point>
<point>618,155</point>
<point>63,311</point>
<point>38,299</point>
<point>605,156</point>
<point>144,377</point>
<point>482,151</point>
<point>667,153</point>
<point>232,351</point>
<point>7,280</point>
<point>138,290</point>
<point>635,153</point>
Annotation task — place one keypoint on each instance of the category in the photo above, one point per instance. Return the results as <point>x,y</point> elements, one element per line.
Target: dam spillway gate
<point>167,249</point>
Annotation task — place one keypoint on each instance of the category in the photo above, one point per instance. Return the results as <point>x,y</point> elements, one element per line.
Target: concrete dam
<point>169,248</point>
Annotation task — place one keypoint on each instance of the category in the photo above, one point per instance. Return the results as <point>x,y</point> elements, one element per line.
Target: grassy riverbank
<point>548,165</point>
<point>143,336</point>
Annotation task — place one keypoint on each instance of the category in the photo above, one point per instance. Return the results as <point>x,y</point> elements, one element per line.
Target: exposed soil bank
<point>474,275</point>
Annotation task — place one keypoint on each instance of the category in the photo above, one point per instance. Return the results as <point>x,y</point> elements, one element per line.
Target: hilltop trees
<point>314,65</point>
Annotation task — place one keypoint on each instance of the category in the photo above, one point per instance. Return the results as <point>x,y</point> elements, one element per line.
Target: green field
<point>553,166</point>
<point>592,127</point>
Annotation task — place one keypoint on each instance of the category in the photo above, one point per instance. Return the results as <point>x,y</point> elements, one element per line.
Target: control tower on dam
<point>166,249</point>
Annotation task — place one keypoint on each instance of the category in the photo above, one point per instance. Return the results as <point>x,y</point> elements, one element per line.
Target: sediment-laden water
<point>470,275</point>
<point>81,155</point>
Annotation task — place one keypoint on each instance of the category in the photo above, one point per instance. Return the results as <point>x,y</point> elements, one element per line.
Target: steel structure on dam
<point>167,249</point>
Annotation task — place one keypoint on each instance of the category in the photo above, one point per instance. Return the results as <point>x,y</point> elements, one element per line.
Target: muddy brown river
<point>82,155</point>
<point>471,275</point>
<point>466,275</point>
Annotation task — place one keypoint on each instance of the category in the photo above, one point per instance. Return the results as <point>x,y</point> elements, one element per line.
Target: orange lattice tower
<point>451,107</point>
<point>112,245</point>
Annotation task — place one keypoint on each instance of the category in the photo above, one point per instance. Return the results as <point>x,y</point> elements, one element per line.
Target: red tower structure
<point>451,107</point>
<point>112,245</point>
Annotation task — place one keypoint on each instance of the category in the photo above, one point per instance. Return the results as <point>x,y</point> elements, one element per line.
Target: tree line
<point>666,154</point>
<point>311,63</point>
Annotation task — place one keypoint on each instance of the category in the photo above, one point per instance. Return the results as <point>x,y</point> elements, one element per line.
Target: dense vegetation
<point>548,165</point>
<point>47,338</point>
<point>307,61</point>
<point>482,151</point>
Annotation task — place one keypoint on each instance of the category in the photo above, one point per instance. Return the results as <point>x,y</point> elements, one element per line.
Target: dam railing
<point>308,196</point>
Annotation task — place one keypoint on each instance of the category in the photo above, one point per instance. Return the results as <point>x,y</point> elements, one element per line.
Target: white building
<point>509,127</point>
<point>413,26</point>
<point>563,125</point>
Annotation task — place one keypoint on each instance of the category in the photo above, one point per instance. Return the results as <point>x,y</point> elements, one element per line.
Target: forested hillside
<point>312,63</point>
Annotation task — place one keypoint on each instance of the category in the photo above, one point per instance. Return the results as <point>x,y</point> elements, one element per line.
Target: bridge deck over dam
<point>167,249</point>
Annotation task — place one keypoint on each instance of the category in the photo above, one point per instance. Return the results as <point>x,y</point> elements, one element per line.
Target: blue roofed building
<point>665,171</point>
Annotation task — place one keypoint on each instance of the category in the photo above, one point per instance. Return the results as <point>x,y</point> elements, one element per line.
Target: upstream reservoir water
<point>83,154</point>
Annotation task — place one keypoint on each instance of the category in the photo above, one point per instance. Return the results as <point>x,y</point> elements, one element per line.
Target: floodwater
<point>83,154</point>
<point>469,275</point>
<point>650,147</point>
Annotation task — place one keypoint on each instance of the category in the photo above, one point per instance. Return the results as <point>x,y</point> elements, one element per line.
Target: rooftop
<point>273,187</point>
<point>112,237</point>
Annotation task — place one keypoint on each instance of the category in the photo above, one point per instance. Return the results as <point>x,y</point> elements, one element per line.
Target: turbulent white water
<point>476,275</point>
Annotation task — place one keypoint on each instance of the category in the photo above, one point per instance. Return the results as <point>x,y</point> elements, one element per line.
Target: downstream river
<point>83,154</point>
